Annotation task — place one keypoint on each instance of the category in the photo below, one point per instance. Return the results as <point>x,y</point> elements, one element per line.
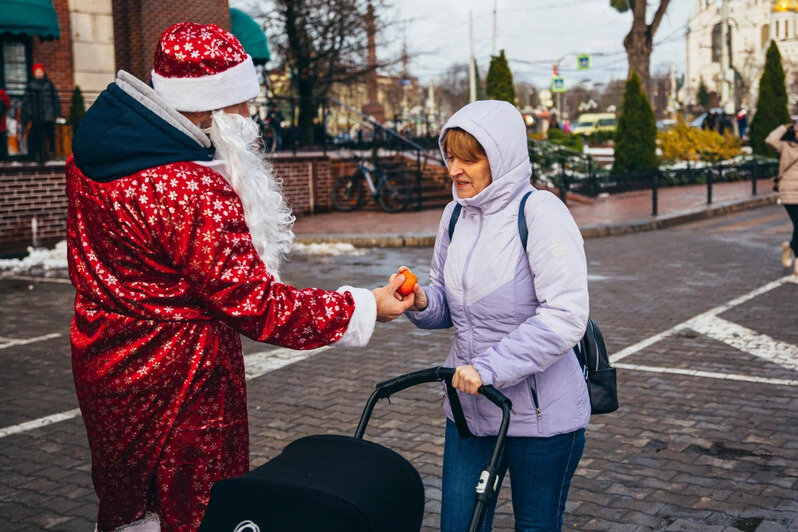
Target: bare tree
<point>612,95</point>
<point>527,94</point>
<point>321,43</point>
<point>639,42</point>
<point>577,95</point>
<point>453,88</point>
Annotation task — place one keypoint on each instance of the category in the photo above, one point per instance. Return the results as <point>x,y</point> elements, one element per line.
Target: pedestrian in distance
<point>176,231</point>
<point>783,138</point>
<point>275,119</point>
<point>517,314</point>
<point>742,123</point>
<point>5,106</point>
<point>40,107</point>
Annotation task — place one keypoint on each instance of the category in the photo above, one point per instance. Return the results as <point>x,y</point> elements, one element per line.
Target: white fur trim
<point>361,325</point>
<point>207,93</point>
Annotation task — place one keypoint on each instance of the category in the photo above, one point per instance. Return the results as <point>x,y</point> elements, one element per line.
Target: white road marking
<point>742,338</point>
<point>709,374</point>
<point>36,279</point>
<point>39,423</point>
<point>24,341</point>
<point>701,318</point>
<point>255,365</point>
<point>263,362</point>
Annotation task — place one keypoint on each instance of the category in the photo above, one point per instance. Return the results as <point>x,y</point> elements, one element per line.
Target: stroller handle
<point>488,480</point>
<point>439,373</point>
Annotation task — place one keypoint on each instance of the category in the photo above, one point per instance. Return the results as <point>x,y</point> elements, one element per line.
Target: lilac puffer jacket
<point>516,315</point>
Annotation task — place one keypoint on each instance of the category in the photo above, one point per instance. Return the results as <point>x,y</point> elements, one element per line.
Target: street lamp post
<point>725,89</point>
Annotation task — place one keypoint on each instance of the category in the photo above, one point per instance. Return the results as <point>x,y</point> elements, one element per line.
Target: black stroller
<point>333,483</point>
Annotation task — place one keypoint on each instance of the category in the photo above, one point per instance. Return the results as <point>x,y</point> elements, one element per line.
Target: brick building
<point>93,39</point>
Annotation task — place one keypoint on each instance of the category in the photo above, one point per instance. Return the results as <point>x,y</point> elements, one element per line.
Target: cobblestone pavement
<point>705,438</point>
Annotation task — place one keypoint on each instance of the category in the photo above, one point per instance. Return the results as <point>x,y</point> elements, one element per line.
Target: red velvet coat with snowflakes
<point>167,277</point>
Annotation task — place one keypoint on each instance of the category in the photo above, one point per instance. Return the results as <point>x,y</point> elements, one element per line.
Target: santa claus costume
<point>174,251</point>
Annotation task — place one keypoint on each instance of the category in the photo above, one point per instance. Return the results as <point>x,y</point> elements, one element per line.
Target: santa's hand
<point>421,301</point>
<point>389,307</point>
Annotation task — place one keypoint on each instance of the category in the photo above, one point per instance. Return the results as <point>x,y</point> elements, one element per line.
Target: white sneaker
<point>787,255</point>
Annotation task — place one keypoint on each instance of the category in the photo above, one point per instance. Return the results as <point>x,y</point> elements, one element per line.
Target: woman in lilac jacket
<point>517,315</point>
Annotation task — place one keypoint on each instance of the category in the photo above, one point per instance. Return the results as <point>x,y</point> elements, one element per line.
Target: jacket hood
<point>129,128</point>
<point>500,129</point>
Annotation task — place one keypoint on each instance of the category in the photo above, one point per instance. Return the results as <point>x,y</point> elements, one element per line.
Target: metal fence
<point>352,135</point>
<point>572,171</point>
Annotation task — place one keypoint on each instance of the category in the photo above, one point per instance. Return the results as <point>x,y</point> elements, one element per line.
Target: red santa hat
<point>202,67</point>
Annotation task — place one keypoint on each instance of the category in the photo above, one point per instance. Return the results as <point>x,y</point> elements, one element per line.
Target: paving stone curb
<point>397,240</point>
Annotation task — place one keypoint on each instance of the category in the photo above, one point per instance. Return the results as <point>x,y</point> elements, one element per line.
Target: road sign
<point>583,62</point>
<point>557,84</point>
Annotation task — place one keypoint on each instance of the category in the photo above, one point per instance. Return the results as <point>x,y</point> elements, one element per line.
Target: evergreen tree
<point>499,81</point>
<point>77,110</point>
<point>636,138</point>
<point>703,97</point>
<point>771,108</point>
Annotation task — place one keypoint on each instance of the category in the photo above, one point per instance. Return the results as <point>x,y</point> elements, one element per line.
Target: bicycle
<point>393,193</point>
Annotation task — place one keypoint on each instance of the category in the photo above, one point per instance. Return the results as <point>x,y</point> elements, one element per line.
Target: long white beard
<point>252,177</point>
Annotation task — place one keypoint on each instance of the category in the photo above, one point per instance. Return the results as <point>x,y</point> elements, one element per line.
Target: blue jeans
<point>541,470</point>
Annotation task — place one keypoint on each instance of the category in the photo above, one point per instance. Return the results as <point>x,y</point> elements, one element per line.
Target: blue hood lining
<point>119,136</point>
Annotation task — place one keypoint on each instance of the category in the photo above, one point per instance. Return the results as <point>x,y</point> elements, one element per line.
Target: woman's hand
<point>390,307</point>
<point>467,379</point>
<point>420,303</point>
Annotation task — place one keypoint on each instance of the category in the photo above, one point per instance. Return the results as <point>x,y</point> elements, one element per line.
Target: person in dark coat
<point>275,118</point>
<point>5,105</point>
<point>40,107</point>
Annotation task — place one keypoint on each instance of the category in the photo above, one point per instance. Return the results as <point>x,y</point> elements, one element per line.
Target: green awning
<point>29,17</point>
<point>251,36</point>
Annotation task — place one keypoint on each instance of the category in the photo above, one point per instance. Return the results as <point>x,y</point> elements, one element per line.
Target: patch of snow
<point>38,258</point>
<point>327,248</point>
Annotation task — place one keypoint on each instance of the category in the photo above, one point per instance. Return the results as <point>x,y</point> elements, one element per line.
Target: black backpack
<point>591,352</point>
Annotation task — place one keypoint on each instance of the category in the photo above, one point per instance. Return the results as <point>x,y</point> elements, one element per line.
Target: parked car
<point>698,123</point>
<point>588,123</point>
<point>665,124</point>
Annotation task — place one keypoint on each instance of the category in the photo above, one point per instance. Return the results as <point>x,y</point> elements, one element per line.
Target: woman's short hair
<point>461,144</point>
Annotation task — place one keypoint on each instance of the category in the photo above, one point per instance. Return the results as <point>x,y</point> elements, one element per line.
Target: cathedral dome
<point>780,6</point>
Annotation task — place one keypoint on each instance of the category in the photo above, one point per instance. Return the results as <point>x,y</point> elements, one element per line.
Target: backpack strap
<point>523,230</point>
<point>453,219</point>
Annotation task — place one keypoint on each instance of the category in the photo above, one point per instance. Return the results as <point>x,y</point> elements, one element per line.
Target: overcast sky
<point>536,30</point>
<point>540,31</point>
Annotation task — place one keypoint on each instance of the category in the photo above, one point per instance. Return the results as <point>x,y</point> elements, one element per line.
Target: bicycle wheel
<point>347,192</point>
<point>394,192</point>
